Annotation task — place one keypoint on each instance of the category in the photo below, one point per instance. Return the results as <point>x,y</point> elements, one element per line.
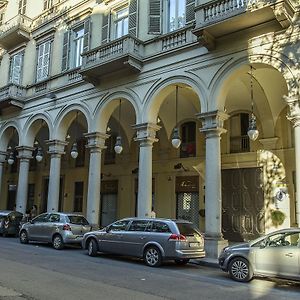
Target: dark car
<point>154,240</point>
<point>276,254</point>
<point>10,222</point>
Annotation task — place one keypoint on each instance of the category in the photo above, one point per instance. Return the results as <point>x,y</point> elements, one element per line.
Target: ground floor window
<point>78,196</point>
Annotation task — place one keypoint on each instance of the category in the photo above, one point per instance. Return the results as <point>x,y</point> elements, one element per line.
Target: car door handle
<point>289,254</point>
<point>142,237</point>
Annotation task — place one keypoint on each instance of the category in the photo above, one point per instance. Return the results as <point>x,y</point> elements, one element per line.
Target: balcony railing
<point>239,144</point>
<point>12,95</point>
<point>15,31</point>
<point>125,52</point>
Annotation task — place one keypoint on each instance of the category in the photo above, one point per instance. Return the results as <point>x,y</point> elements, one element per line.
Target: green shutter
<point>105,27</point>
<point>87,35</point>
<point>133,17</point>
<point>155,7</point>
<point>66,51</point>
<point>190,11</point>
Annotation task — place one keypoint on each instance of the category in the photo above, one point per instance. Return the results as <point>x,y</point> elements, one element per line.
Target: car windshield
<point>187,229</point>
<point>79,220</point>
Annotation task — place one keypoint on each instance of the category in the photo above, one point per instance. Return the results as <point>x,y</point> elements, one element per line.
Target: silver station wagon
<point>154,240</point>
<point>56,228</point>
<point>276,254</point>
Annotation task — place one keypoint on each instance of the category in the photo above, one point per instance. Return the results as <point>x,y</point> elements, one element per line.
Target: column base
<point>213,246</point>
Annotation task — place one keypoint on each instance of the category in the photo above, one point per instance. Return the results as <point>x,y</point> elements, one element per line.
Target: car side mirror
<point>31,222</point>
<point>107,229</point>
<point>263,244</point>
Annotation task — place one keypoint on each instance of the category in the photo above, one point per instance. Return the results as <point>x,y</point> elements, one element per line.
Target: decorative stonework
<point>294,106</point>
<point>213,121</point>
<point>56,147</point>
<point>146,133</point>
<point>96,141</point>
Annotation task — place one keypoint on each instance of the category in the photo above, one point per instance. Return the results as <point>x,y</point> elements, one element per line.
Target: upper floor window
<point>188,145</point>
<point>78,34</point>
<point>169,15</point>
<point>22,7</point>
<point>48,4</point>
<point>16,66</point>
<point>43,61</point>
<point>1,17</point>
<point>120,24</point>
<point>239,140</point>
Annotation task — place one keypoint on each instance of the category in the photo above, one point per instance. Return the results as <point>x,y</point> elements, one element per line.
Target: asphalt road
<point>37,271</point>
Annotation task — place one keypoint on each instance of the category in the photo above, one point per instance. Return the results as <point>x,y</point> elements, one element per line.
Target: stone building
<point>112,107</point>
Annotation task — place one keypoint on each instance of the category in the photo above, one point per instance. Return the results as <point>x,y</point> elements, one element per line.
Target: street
<point>37,271</point>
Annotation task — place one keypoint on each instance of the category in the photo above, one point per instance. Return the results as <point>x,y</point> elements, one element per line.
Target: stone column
<point>294,117</point>
<point>24,154</point>
<point>3,156</point>
<point>146,137</point>
<point>56,149</point>
<point>213,128</point>
<point>96,143</point>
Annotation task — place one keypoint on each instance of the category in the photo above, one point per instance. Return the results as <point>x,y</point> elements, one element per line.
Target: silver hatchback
<point>56,228</point>
<point>154,240</point>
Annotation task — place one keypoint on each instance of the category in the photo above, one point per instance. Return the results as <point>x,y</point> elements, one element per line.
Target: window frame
<point>48,66</point>
<point>75,56</point>
<point>166,15</point>
<point>12,67</point>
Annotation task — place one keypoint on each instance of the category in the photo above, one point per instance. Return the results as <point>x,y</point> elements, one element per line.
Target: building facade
<point>111,108</point>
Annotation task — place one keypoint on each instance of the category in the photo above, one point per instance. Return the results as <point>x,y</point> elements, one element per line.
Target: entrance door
<point>108,209</point>
<point>242,204</point>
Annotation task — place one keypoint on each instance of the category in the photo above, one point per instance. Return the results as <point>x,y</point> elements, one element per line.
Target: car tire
<point>152,256</point>
<point>23,237</point>
<point>92,247</point>
<point>240,269</point>
<point>58,242</point>
<point>183,261</point>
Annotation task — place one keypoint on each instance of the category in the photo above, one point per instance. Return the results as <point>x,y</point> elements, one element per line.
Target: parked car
<point>276,255</point>
<point>56,228</point>
<point>154,240</point>
<point>10,222</point>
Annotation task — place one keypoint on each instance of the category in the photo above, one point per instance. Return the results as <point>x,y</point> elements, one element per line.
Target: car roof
<point>157,219</point>
<point>7,212</point>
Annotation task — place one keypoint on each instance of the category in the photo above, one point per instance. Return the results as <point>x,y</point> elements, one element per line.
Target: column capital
<point>213,122</point>
<point>145,133</point>
<point>96,141</point>
<point>294,105</point>
<point>56,146</point>
<point>24,152</point>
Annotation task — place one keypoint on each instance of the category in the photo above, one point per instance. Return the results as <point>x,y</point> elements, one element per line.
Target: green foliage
<point>277,217</point>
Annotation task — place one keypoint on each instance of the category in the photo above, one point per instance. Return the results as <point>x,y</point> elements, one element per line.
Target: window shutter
<point>133,17</point>
<point>155,7</point>
<point>66,51</point>
<point>16,68</point>
<point>190,11</point>
<point>43,61</point>
<point>87,35</point>
<point>21,66</point>
<point>105,27</point>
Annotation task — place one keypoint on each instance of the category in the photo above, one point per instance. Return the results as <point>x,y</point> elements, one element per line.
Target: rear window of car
<point>187,229</point>
<point>78,220</point>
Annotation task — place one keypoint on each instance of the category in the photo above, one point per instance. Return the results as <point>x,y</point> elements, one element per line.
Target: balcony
<point>125,53</point>
<point>12,97</point>
<point>15,31</point>
<point>239,144</point>
<point>217,18</point>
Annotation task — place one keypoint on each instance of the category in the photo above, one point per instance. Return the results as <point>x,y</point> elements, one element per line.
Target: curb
<point>213,263</point>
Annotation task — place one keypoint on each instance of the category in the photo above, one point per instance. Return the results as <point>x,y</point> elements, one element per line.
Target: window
<point>54,218</point>
<point>15,71</point>
<point>119,225</point>
<point>175,15</point>
<point>159,227</point>
<point>78,196</point>
<point>48,4</point>
<point>109,152</point>
<point>239,140</point>
<point>78,220</point>
<point>120,26</point>
<point>139,225</point>
<point>22,7</point>
<point>1,17</point>
<point>188,145</point>
<point>43,61</point>
<point>41,218</point>
<point>77,46</point>
<point>79,162</point>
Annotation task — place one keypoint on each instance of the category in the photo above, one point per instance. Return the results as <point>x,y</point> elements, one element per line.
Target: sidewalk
<point>208,262</point>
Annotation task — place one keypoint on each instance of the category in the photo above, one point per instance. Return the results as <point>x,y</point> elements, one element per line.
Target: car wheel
<point>24,237</point>
<point>92,247</point>
<point>240,270</point>
<point>152,256</point>
<point>58,242</point>
<point>182,261</point>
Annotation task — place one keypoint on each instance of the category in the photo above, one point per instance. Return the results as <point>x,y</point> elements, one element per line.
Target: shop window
<point>78,196</point>
<point>239,140</point>
<point>188,135</point>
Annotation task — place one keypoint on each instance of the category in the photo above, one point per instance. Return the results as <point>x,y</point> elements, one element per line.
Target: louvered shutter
<point>190,11</point>
<point>87,35</point>
<point>133,17</point>
<point>43,61</point>
<point>66,51</point>
<point>105,27</point>
<point>155,7</point>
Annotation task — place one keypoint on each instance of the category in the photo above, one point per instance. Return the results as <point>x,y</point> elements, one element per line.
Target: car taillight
<point>177,237</point>
<point>67,227</point>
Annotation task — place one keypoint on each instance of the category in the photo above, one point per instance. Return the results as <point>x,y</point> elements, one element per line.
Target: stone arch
<point>153,103</point>
<point>32,127</point>
<point>108,104</point>
<point>65,118</point>
<point>5,135</point>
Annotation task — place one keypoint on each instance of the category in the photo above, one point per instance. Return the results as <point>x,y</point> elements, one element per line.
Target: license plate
<point>194,244</point>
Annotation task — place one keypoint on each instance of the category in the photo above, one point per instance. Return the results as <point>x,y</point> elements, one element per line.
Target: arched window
<point>188,135</point>
<point>239,140</point>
